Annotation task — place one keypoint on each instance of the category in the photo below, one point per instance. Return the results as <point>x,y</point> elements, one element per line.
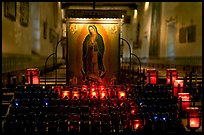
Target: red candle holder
<point>102,92</point>
<point>84,88</point>
<point>74,124</point>
<point>102,88</point>
<point>57,89</point>
<point>111,92</point>
<point>75,95</point>
<point>152,75</point>
<point>93,92</point>
<point>127,122</point>
<point>33,76</point>
<point>84,92</point>
<point>66,94</point>
<point>178,87</point>
<point>185,100</point>
<point>121,95</point>
<point>193,120</point>
<point>133,110</point>
<point>172,75</point>
<point>137,124</point>
<point>103,95</point>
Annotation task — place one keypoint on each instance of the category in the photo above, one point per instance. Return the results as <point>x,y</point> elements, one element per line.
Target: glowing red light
<point>193,118</point>
<point>103,95</point>
<point>84,88</point>
<point>185,100</point>
<point>137,124</point>
<point>176,82</point>
<point>132,111</point>
<point>152,79</point>
<point>75,94</point>
<point>121,94</point>
<point>84,92</point>
<point>57,89</point>
<point>35,76</point>
<point>65,94</point>
<point>93,93</point>
<point>194,122</point>
<point>101,88</point>
<point>178,87</point>
<point>184,96</point>
<point>174,75</point>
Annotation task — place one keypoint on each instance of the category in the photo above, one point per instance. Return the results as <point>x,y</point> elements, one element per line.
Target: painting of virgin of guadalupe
<point>93,50</point>
<point>92,56</point>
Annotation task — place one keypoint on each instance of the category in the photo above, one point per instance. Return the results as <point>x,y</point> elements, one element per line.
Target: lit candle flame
<point>93,93</point>
<point>122,94</point>
<point>103,94</point>
<point>133,111</point>
<point>136,126</point>
<point>65,94</point>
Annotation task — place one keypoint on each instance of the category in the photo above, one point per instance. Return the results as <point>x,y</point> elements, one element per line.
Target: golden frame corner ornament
<point>73,28</point>
<point>113,28</point>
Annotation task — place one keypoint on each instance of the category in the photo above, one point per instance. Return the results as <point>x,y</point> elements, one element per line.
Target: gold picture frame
<point>10,10</point>
<point>108,33</point>
<point>24,13</point>
<point>191,33</point>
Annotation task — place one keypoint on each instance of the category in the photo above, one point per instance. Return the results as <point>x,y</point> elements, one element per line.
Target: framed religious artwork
<point>94,52</point>
<point>191,33</point>
<point>24,13</point>
<point>10,10</point>
<point>182,35</point>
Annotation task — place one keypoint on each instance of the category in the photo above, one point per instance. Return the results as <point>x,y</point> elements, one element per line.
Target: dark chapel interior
<point>102,68</point>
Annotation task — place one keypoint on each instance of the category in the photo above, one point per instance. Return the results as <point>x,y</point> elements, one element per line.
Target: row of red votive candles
<point>93,92</point>
<point>151,74</point>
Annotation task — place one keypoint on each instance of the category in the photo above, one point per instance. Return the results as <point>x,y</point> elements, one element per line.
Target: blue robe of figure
<point>93,50</point>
